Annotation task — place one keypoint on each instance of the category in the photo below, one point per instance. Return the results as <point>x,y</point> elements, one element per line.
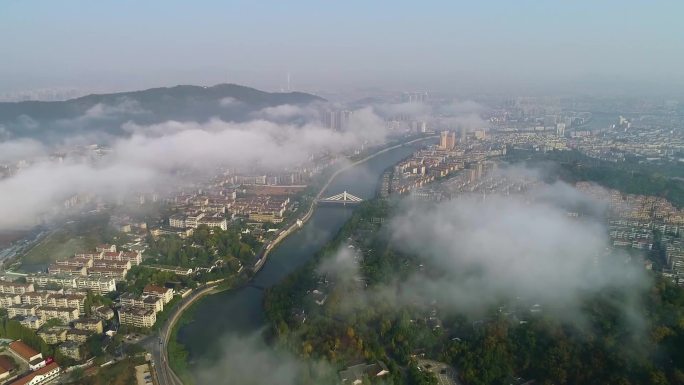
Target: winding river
<point>240,311</point>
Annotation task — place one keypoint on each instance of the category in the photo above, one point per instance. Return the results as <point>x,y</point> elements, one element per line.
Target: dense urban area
<point>91,291</point>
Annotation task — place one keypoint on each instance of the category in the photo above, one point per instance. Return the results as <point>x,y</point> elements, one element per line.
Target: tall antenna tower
<point>288,82</point>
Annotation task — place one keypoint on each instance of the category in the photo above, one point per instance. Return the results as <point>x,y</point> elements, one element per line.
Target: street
<point>157,343</point>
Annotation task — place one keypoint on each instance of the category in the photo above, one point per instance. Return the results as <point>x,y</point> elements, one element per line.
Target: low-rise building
<point>67,301</point>
<point>153,303</point>
<point>177,221</point>
<point>53,335</point>
<point>15,288</point>
<point>56,269</point>
<point>31,322</point>
<point>93,325</point>
<point>118,273</point>
<point>34,298</point>
<point>71,349</point>
<point>6,367</point>
<point>84,260</point>
<point>40,376</point>
<point>105,248</point>
<point>159,291</point>
<point>192,219</point>
<point>135,258</point>
<point>212,221</point>
<point>147,302</point>
<point>103,312</point>
<point>44,280</point>
<point>99,285</point>
<point>130,300</point>
<point>163,231</point>
<point>118,264</point>
<point>76,335</point>
<point>137,316</point>
<point>65,314</point>
<point>21,310</point>
<point>262,217</point>
<point>7,300</point>
<point>24,352</point>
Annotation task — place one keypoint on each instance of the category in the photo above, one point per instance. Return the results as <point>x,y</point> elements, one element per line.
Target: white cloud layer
<point>151,153</point>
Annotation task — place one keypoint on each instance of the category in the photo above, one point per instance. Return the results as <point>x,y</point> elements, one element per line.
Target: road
<point>157,343</point>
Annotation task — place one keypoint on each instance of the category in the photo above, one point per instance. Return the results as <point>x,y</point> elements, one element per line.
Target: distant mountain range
<point>107,112</point>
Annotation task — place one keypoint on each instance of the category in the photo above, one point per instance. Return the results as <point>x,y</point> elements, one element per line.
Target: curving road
<point>157,343</point>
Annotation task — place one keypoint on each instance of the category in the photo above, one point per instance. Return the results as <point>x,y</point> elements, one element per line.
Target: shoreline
<point>208,290</point>
<point>301,221</point>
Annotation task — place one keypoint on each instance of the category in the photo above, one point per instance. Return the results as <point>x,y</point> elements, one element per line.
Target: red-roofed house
<point>6,366</point>
<point>23,351</point>
<point>40,376</point>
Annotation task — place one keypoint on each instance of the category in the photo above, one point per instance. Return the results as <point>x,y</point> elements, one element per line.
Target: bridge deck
<point>343,197</point>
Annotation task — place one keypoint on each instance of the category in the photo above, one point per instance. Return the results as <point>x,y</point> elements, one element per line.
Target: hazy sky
<point>325,44</point>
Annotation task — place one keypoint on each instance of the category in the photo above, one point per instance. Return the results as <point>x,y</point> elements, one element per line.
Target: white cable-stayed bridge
<point>344,198</point>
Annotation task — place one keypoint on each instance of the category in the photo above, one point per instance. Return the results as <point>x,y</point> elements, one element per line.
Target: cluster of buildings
<point>215,206</point>
<point>635,207</point>
<point>652,135</point>
<point>646,138</point>
<point>71,337</point>
<point>105,262</point>
<point>644,222</point>
<point>192,220</point>
<point>36,309</point>
<point>98,271</point>
<point>261,208</point>
<point>33,308</point>
<point>443,160</point>
<point>40,370</point>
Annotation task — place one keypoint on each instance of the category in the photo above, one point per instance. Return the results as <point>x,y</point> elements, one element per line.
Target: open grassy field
<point>76,236</point>
<point>119,373</point>
<point>57,245</point>
<point>7,237</point>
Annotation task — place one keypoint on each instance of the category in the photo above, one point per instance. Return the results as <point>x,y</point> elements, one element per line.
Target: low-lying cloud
<point>527,248</point>
<point>152,156</point>
<point>508,247</point>
<point>247,360</point>
<point>15,150</point>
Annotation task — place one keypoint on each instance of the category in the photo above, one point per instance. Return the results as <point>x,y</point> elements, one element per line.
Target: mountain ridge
<point>49,121</point>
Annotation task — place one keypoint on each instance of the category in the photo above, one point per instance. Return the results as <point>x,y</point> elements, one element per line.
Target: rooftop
<point>43,370</point>
<point>22,349</point>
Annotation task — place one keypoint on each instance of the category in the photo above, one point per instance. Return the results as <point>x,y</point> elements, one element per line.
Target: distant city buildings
<point>447,140</point>
<point>337,120</point>
<point>415,97</point>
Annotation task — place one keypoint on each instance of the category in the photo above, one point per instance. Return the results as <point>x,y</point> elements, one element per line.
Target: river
<point>240,311</point>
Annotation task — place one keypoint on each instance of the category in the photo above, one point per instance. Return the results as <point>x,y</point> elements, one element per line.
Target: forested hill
<point>107,112</point>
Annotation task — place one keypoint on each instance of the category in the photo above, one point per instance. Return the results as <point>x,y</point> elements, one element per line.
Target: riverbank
<point>240,308</point>
<point>301,221</point>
